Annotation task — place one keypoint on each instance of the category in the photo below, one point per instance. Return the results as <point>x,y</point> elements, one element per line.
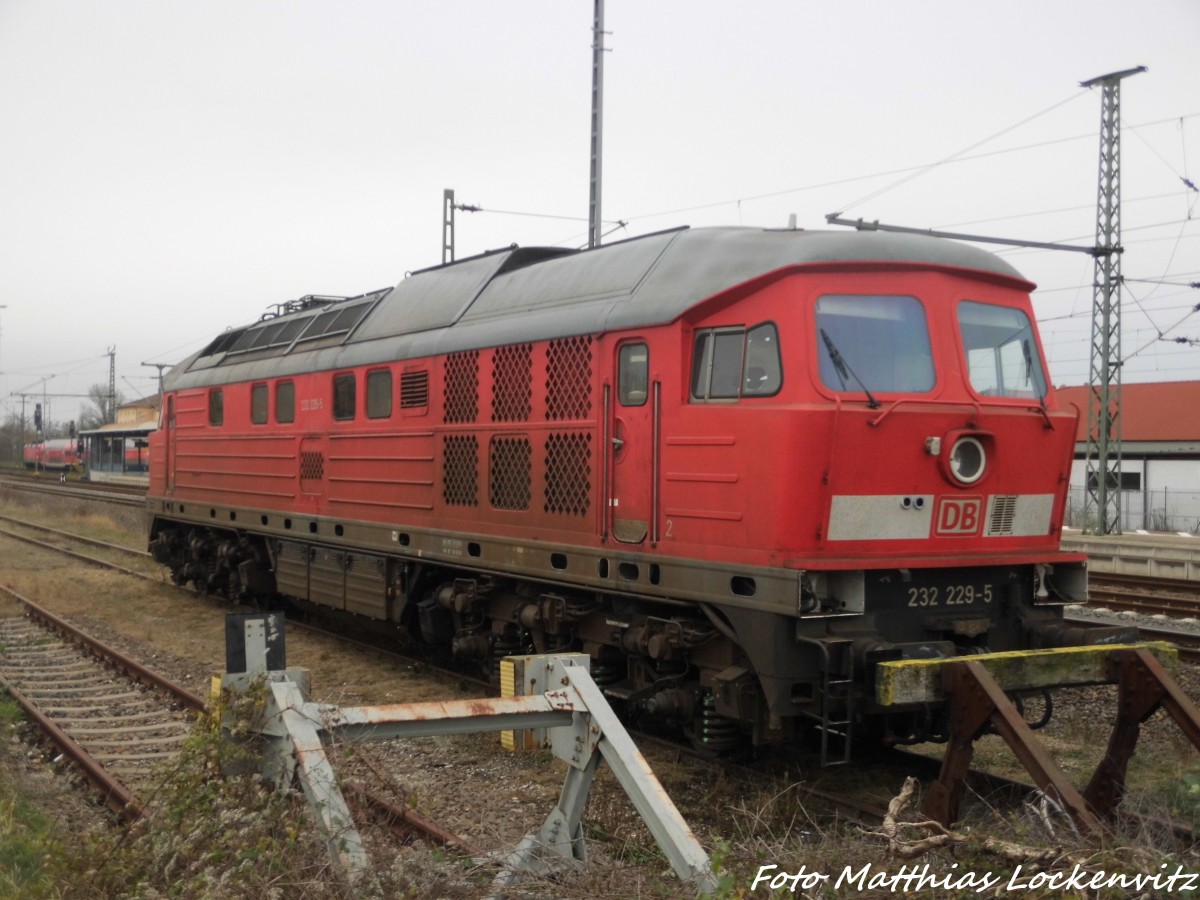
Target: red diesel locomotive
<point>736,467</point>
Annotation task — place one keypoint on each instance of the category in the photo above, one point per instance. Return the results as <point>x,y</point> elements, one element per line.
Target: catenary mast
<point>598,52</point>
<point>1102,489</point>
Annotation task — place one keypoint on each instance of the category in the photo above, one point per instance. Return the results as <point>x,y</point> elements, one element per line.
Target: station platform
<point>1150,554</point>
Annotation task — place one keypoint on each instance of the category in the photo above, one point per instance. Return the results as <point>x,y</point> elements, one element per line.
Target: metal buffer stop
<point>560,696</point>
<point>977,690</point>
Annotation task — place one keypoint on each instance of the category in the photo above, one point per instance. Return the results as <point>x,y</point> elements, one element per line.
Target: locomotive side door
<point>630,426</point>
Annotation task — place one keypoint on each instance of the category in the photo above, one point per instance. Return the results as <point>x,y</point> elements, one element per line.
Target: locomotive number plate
<point>949,595</point>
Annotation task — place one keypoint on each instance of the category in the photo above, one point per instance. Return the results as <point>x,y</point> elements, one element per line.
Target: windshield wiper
<point>844,370</point>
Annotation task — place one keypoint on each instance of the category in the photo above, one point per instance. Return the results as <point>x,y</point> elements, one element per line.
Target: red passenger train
<point>58,454</point>
<point>736,467</point>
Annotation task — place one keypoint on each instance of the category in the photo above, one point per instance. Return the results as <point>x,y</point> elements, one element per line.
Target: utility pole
<point>1102,488</point>
<point>598,52</point>
<point>15,456</point>
<point>160,367</point>
<point>112,384</point>
<point>447,227</point>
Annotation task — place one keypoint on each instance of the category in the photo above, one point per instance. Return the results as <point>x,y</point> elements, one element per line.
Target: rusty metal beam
<point>1144,686</point>
<point>976,701</point>
<point>439,717</point>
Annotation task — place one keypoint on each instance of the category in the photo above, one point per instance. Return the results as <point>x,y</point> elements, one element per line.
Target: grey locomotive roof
<point>519,295</point>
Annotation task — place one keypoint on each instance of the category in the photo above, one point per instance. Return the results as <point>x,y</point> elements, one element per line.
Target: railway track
<point>1162,599</point>
<point>1149,596</point>
<point>1164,609</point>
<point>120,723</point>
<point>121,495</point>
<point>40,670</point>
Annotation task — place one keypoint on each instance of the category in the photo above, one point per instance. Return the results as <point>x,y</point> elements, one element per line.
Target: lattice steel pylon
<point>1102,488</point>
<point>112,386</point>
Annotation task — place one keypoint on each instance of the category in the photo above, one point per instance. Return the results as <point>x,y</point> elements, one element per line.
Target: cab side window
<point>343,396</point>
<point>379,394</point>
<point>285,402</point>
<point>216,407</point>
<point>258,403</point>
<point>733,362</point>
<point>633,374</point>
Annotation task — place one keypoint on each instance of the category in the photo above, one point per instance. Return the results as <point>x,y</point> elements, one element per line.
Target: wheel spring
<point>604,673</point>
<point>717,731</point>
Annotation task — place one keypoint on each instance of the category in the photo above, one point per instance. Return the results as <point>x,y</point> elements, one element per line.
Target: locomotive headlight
<point>967,460</point>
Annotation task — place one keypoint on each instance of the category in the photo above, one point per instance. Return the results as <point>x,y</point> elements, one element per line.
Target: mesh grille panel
<point>568,473</point>
<point>512,391</point>
<point>569,379</point>
<point>460,470</point>
<point>509,473</point>
<point>312,466</point>
<point>462,387</point>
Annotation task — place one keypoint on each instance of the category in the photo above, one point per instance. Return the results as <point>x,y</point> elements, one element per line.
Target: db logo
<point>958,515</point>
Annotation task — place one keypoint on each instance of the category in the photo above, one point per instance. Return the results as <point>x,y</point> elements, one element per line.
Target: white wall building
<point>1160,455</point>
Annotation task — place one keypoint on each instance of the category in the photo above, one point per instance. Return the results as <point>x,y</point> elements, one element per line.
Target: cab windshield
<point>1002,355</point>
<point>873,344</point>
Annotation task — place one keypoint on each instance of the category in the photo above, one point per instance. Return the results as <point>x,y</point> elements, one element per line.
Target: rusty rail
<point>395,814</point>
<point>113,656</point>
<point>116,796</point>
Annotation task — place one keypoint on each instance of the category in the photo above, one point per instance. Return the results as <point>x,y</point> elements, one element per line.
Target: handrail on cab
<point>973,403</point>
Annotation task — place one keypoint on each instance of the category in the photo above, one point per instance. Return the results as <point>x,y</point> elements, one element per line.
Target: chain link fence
<point>1165,509</point>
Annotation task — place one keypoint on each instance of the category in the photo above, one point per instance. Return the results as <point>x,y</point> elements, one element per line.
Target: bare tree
<point>11,438</point>
<point>99,409</point>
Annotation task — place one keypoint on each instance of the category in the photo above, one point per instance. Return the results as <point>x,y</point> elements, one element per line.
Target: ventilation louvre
<point>414,390</point>
<point>1004,511</point>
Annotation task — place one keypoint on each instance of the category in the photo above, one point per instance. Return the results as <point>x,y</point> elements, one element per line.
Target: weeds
<point>205,836</point>
<point>30,851</point>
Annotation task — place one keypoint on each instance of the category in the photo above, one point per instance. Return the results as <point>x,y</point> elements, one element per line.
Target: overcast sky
<point>170,168</point>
